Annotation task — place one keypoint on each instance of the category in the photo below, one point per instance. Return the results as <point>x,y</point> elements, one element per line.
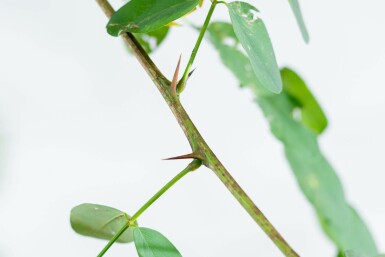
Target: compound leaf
<point>315,175</point>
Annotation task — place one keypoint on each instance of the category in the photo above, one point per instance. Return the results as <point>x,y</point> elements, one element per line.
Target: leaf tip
<point>113,30</point>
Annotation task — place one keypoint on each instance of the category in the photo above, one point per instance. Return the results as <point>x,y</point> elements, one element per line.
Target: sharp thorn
<point>191,73</point>
<point>175,78</point>
<point>182,157</point>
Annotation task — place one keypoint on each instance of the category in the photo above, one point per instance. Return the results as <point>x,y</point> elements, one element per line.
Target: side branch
<point>200,149</point>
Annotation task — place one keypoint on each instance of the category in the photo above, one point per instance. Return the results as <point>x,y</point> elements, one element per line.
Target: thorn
<point>182,157</point>
<point>191,73</point>
<point>175,78</point>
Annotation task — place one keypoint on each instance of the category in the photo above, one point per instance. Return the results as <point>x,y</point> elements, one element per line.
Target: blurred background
<point>80,121</point>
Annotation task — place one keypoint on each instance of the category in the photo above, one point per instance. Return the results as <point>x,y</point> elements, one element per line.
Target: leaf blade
<point>252,33</point>
<point>141,16</point>
<point>99,221</point>
<point>151,243</point>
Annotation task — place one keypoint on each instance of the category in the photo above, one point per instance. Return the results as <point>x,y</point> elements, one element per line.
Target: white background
<point>81,122</point>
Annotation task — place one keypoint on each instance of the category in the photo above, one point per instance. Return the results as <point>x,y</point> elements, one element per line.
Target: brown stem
<point>198,145</point>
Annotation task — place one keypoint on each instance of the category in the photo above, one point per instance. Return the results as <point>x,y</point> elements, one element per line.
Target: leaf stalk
<point>191,167</point>
<point>113,240</point>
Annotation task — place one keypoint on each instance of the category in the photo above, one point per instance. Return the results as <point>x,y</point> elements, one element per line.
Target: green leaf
<point>315,175</point>
<point>252,33</point>
<point>100,221</point>
<point>151,40</point>
<point>311,114</point>
<point>140,16</point>
<point>151,243</point>
<point>294,4</point>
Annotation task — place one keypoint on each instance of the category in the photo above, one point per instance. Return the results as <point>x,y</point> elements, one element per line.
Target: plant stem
<point>182,83</point>
<point>113,240</point>
<point>197,143</point>
<point>191,167</point>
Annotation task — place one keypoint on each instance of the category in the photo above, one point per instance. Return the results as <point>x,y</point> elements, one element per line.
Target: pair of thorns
<point>174,82</point>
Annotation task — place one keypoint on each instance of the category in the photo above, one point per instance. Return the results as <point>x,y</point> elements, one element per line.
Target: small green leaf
<point>311,114</point>
<point>100,221</point>
<point>140,16</point>
<point>294,4</point>
<point>151,243</point>
<point>252,33</point>
<point>151,40</point>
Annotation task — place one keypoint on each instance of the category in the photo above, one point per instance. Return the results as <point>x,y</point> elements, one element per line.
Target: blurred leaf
<point>252,34</point>
<point>351,253</point>
<point>151,40</point>
<point>151,243</point>
<point>315,175</point>
<point>140,16</point>
<point>222,33</point>
<point>294,4</point>
<point>236,61</point>
<point>311,114</point>
<point>100,221</point>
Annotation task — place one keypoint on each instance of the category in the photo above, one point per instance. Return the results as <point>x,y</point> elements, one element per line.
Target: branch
<point>199,147</point>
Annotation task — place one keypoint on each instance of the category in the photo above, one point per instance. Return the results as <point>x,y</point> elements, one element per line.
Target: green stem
<point>113,240</point>
<point>182,83</point>
<point>191,167</point>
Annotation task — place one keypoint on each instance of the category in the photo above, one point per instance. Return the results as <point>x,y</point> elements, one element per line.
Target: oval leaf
<point>252,34</point>
<point>100,221</point>
<point>151,243</point>
<point>140,16</point>
<point>294,4</point>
